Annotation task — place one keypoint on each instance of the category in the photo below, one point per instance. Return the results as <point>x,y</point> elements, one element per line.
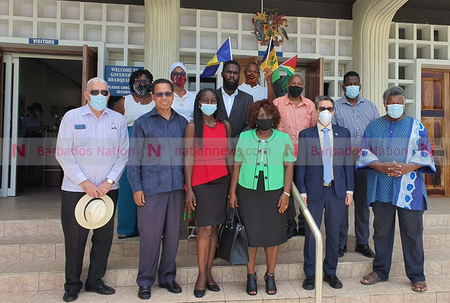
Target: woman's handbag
<point>233,243</point>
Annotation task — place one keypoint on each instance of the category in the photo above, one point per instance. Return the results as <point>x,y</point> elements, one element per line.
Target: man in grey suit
<point>236,101</point>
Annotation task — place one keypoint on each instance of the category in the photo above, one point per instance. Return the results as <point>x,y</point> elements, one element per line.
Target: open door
<point>89,68</point>
<point>314,79</point>
<point>242,64</point>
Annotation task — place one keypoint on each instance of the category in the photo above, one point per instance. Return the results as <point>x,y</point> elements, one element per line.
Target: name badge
<point>80,126</point>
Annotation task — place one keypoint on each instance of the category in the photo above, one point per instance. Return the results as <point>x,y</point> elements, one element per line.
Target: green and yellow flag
<point>270,60</point>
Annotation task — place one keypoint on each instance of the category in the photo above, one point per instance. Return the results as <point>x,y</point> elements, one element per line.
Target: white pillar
<point>371,25</point>
<point>162,36</point>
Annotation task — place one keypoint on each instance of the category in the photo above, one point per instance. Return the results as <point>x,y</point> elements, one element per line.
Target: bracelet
<point>287,194</point>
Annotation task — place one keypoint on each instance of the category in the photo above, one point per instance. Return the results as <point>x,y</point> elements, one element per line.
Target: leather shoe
<point>101,290</point>
<point>291,232</point>
<point>172,287</point>
<point>309,283</point>
<point>199,293</point>
<point>70,295</point>
<point>301,231</point>
<point>342,251</point>
<point>365,250</point>
<point>213,287</point>
<point>333,281</point>
<point>144,292</point>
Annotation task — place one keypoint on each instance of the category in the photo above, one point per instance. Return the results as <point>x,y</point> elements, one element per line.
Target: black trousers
<point>411,232</point>
<point>291,211</point>
<point>75,238</point>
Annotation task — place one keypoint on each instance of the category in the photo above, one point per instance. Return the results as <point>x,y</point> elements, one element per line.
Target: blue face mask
<point>98,102</point>
<point>352,91</point>
<point>208,109</point>
<point>395,111</point>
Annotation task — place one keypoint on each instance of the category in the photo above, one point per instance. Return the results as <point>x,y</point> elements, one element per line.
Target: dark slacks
<point>159,217</point>
<point>362,213</point>
<point>334,211</point>
<point>75,238</point>
<point>411,232</point>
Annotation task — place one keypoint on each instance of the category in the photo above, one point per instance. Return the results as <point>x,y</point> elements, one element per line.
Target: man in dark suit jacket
<point>325,179</point>
<point>236,101</point>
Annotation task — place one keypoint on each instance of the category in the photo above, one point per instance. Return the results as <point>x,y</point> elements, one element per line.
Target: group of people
<point>228,148</point>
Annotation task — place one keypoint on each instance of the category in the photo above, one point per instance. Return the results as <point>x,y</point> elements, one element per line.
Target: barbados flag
<point>289,67</point>
<point>222,55</point>
<point>270,61</point>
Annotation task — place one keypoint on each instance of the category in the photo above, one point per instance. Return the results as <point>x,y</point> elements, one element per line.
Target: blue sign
<point>118,78</point>
<point>43,41</point>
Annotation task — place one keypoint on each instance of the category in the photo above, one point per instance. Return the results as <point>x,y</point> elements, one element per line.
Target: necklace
<point>180,100</point>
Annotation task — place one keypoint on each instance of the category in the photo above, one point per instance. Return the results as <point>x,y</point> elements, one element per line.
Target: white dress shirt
<point>184,105</point>
<point>228,100</point>
<point>91,148</point>
<point>257,92</point>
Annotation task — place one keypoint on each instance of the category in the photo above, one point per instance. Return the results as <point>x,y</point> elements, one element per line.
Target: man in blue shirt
<point>155,172</point>
<point>354,113</point>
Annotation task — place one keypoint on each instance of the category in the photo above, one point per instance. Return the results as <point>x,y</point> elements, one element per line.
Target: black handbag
<point>233,243</point>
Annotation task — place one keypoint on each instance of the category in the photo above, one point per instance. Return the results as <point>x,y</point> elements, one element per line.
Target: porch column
<point>371,26</point>
<point>162,36</point>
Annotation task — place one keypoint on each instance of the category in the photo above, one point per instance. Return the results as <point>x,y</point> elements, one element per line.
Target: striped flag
<point>270,61</point>
<point>222,55</point>
<point>289,67</point>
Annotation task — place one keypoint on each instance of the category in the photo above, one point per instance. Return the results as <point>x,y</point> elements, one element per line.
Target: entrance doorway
<point>435,112</point>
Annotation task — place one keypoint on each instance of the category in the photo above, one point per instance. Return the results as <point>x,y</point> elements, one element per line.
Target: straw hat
<point>93,213</point>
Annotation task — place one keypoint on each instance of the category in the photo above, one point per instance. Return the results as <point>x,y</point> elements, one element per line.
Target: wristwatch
<point>110,181</point>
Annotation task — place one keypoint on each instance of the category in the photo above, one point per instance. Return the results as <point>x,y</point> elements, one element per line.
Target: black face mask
<point>295,91</point>
<point>230,86</point>
<point>265,124</point>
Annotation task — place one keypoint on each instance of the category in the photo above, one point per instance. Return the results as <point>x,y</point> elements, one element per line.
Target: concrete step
<point>45,247</point>
<point>396,289</point>
<point>30,275</point>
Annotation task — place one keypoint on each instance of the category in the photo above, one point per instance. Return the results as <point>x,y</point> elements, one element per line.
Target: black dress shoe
<point>291,232</point>
<point>144,292</point>
<point>309,283</point>
<point>199,293</point>
<point>213,287</point>
<point>172,287</point>
<point>101,290</point>
<point>301,231</point>
<point>333,281</point>
<point>342,251</point>
<point>365,250</point>
<point>70,295</point>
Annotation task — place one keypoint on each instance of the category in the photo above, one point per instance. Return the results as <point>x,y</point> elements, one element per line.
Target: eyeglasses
<point>178,74</point>
<point>95,92</point>
<point>142,81</point>
<point>167,94</point>
<point>264,116</point>
<point>330,109</point>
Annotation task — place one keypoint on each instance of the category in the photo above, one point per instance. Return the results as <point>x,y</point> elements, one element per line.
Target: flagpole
<point>229,43</point>
<point>262,6</point>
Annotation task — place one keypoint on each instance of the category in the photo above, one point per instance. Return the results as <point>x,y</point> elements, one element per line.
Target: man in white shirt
<point>92,149</point>
<point>251,86</point>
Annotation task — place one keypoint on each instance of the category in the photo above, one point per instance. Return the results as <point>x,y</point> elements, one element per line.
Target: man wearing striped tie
<point>324,177</point>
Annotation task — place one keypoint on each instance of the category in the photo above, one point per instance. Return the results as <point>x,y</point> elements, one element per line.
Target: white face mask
<point>325,117</point>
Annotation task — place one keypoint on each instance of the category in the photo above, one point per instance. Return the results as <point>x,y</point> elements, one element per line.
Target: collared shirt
<point>294,119</point>
<point>258,92</point>
<point>228,100</point>
<point>91,148</point>
<point>184,105</point>
<point>156,153</point>
<point>354,118</point>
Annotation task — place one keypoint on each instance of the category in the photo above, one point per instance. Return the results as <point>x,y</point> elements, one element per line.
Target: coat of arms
<point>270,24</point>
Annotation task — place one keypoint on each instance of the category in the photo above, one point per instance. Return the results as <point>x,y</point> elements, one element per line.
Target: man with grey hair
<point>395,151</point>
<point>92,149</point>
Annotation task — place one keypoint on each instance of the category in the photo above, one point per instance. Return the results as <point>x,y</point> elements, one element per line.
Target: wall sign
<point>118,78</point>
<point>43,41</point>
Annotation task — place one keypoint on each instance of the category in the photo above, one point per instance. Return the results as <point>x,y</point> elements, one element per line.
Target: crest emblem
<point>270,24</point>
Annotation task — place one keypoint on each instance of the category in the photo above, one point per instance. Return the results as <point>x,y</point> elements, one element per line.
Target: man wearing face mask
<point>324,177</point>
<point>84,133</point>
<point>184,99</point>
<point>251,86</point>
<point>297,113</point>
<point>354,113</point>
<point>395,151</point>
<point>236,101</point>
